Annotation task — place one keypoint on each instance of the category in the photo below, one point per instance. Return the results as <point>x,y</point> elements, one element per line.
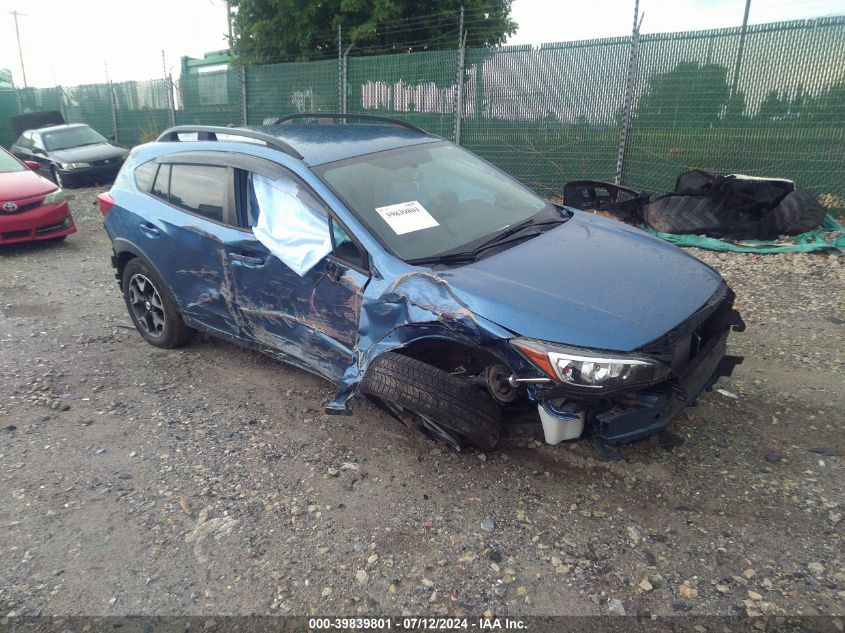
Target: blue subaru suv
<point>403,268</point>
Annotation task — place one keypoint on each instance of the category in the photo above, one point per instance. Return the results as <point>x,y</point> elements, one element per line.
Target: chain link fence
<point>766,101</point>
<point>278,89</point>
<point>775,109</point>
<point>547,115</point>
<point>419,88</point>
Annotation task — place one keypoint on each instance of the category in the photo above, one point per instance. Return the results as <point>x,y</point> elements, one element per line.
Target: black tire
<point>162,312</point>
<point>57,177</point>
<point>448,401</point>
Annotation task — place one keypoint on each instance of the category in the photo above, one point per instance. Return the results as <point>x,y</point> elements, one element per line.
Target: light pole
<point>20,52</point>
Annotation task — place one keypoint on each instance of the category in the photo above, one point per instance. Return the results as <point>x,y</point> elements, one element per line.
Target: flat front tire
<point>424,396</point>
<point>152,308</point>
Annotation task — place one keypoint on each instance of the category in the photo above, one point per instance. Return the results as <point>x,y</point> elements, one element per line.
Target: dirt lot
<point>208,480</point>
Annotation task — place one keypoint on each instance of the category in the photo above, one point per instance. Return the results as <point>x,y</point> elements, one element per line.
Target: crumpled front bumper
<point>696,352</point>
<point>639,415</point>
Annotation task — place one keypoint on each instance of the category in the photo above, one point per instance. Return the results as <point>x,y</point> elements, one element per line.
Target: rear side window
<point>162,182</point>
<point>200,189</point>
<point>144,176</point>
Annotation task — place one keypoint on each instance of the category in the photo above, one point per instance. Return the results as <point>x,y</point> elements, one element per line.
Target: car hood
<point>19,185</point>
<point>591,282</point>
<point>87,153</point>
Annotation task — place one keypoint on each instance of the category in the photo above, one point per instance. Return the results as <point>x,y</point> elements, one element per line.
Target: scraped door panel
<point>310,321</point>
<point>189,249</point>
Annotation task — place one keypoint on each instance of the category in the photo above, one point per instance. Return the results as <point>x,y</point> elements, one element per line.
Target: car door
<point>186,224</point>
<point>298,296</point>
<point>23,148</point>
<point>38,153</point>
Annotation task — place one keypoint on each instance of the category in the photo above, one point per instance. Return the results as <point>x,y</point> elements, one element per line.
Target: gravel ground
<point>207,480</point>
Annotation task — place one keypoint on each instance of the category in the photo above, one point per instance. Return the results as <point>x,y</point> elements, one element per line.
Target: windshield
<point>427,199</point>
<point>8,163</point>
<point>72,137</point>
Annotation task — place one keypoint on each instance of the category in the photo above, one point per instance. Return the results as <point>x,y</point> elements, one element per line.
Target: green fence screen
<point>768,102</point>
<point>786,116</point>
<point>279,89</point>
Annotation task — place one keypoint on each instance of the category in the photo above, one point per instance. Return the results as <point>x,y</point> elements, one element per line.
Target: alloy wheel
<point>147,305</point>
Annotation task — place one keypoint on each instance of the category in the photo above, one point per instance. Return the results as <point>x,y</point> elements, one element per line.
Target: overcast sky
<point>78,42</point>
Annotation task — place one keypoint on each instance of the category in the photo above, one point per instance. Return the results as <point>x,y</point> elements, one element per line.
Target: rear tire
<point>438,397</point>
<point>152,308</point>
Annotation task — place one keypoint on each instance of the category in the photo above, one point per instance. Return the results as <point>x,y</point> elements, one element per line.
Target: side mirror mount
<point>110,137</point>
<point>31,164</point>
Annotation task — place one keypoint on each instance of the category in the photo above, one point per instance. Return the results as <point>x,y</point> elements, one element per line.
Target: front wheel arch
<point>449,355</point>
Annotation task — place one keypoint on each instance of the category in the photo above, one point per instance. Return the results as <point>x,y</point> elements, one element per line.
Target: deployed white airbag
<point>290,228</point>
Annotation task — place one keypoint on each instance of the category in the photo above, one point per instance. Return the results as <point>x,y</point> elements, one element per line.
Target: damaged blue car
<point>405,269</point>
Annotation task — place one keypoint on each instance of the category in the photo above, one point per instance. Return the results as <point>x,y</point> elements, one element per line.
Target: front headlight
<point>593,370</point>
<point>56,197</point>
<point>74,165</point>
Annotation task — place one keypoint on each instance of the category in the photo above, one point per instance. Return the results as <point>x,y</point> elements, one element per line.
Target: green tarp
<point>830,237</point>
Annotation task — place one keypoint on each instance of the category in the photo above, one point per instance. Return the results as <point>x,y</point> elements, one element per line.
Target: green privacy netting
<point>830,237</point>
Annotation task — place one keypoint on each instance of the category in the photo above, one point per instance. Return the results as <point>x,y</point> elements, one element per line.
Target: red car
<point>31,207</point>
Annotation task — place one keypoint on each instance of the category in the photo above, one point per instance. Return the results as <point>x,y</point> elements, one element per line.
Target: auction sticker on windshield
<point>407,217</point>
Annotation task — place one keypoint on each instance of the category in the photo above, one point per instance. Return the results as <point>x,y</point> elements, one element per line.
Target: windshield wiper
<point>466,257</point>
<point>503,237</point>
<point>513,234</point>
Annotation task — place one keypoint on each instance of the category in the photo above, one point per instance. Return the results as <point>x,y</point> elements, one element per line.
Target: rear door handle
<point>246,260</point>
<point>150,229</point>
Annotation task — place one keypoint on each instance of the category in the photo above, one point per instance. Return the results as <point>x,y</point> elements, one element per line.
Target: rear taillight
<point>106,202</point>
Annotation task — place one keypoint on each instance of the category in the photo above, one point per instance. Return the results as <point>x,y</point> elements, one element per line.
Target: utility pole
<point>20,52</point>
<point>229,19</point>
<point>740,48</point>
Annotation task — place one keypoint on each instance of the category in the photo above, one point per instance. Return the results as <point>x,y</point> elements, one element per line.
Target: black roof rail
<point>359,117</point>
<point>210,132</point>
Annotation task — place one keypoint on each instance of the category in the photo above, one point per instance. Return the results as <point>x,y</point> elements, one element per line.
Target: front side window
<point>72,137</point>
<point>426,199</point>
<point>25,140</point>
<point>8,163</point>
<point>345,248</point>
<point>287,218</point>
<point>200,189</point>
